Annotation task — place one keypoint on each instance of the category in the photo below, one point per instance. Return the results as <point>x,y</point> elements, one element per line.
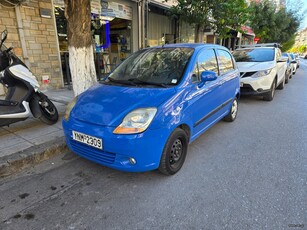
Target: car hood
<point>107,105</point>
<point>255,66</point>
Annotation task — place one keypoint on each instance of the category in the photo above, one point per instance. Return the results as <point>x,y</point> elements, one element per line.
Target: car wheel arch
<point>185,128</point>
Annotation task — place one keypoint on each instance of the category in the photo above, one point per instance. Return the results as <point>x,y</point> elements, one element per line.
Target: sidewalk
<point>25,143</point>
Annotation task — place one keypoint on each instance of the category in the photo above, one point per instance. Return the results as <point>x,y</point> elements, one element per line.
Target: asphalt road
<point>250,174</point>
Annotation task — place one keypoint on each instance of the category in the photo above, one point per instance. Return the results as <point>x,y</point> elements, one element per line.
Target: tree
<point>302,49</point>
<point>221,15</point>
<point>81,56</point>
<point>271,25</point>
<point>196,12</point>
<point>287,45</point>
<point>229,14</point>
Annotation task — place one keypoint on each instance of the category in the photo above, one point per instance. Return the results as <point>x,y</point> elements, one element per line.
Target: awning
<point>247,30</point>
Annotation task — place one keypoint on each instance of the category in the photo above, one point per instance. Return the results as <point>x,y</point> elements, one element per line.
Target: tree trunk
<point>199,33</point>
<point>81,57</point>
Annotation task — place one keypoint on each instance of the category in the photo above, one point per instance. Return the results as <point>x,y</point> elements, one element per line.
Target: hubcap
<point>45,106</point>
<point>176,152</point>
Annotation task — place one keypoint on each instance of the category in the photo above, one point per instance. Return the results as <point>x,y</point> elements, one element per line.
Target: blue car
<point>145,113</point>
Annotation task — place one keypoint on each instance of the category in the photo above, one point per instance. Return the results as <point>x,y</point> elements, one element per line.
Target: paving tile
<point>37,131</point>
<point>26,124</point>
<point>9,140</point>
<point>3,132</point>
<point>47,137</point>
<point>15,148</point>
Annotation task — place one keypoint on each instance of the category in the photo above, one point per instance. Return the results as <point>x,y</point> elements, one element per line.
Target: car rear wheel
<point>174,153</point>
<point>231,116</point>
<point>270,95</point>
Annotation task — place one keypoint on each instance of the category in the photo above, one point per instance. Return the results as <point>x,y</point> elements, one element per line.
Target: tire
<point>232,115</point>
<point>270,95</point>
<point>282,84</point>
<point>43,109</point>
<point>174,152</point>
<point>287,79</point>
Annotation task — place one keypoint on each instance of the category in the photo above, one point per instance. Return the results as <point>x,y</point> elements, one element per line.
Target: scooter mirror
<point>4,35</point>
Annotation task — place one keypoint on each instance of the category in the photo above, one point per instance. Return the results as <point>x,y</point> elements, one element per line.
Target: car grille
<point>92,153</point>
<point>247,74</point>
<point>246,89</point>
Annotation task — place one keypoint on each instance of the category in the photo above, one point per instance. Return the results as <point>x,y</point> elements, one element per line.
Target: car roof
<point>195,46</point>
<point>255,48</point>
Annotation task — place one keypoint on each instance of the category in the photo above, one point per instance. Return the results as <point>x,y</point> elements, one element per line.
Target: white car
<point>262,70</point>
<point>294,63</point>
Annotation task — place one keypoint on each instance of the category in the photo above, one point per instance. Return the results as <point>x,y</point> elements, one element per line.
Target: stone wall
<point>40,39</point>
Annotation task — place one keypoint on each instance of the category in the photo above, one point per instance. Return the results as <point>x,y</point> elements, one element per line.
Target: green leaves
<point>271,25</point>
<point>220,15</point>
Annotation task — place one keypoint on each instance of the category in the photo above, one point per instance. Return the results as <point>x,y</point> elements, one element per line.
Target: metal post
<point>22,36</point>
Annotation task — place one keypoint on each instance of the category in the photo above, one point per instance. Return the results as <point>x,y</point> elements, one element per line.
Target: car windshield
<point>254,55</point>
<point>162,67</point>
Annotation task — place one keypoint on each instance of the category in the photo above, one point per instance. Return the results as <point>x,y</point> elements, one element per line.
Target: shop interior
<point>111,42</point>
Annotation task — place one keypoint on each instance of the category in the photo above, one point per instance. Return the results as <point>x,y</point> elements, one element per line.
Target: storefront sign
<point>59,3</point>
<point>164,3</point>
<point>102,7</point>
<point>119,10</point>
<point>95,5</point>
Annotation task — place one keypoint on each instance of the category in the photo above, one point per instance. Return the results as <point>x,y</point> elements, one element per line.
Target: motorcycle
<point>23,96</point>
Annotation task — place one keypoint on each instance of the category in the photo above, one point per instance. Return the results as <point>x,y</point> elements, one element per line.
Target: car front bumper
<point>133,152</point>
<point>256,86</point>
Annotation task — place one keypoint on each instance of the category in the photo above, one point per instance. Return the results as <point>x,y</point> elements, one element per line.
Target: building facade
<point>32,33</point>
<point>38,31</point>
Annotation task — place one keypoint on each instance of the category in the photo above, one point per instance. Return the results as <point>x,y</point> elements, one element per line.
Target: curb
<point>24,159</point>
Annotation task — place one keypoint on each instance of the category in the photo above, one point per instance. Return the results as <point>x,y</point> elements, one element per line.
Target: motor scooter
<point>23,96</point>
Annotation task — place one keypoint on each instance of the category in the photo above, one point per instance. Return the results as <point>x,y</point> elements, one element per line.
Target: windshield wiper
<point>138,81</point>
<point>125,82</point>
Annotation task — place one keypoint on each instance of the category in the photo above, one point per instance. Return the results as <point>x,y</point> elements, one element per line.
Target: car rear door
<point>228,80</point>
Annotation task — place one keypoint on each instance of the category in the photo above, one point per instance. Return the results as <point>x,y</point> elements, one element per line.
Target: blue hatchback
<point>160,99</point>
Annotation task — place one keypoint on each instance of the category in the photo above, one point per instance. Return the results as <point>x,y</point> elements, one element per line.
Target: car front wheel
<point>174,153</point>
<point>270,95</point>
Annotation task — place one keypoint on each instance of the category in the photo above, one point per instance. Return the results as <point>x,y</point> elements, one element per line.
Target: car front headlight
<point>136,121</point>
<point>262,73</point>
<point>69,108</point>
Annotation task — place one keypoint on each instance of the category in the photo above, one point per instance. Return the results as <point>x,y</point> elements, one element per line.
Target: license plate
<point>241,84</point>
<point>87,139</point>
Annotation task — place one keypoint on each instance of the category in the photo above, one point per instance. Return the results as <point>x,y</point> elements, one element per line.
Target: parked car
<point>289,71</point>
<point>294,63</point>
<point>262,69</point>
<point>297,58</point>
<point>145,113</point>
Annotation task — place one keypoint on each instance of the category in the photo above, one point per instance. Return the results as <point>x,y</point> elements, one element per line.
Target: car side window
<point>278,54</point>
<point>225,61</point>
<point>206,60</point>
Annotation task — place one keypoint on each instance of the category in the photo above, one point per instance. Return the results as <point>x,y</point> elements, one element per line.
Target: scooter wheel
<point>43,109</point>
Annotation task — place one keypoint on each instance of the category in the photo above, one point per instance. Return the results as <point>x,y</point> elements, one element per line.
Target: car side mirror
<point>207,76</point>
<point>283,59</point>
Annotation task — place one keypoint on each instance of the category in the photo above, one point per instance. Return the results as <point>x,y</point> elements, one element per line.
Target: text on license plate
<point>87,139</point>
